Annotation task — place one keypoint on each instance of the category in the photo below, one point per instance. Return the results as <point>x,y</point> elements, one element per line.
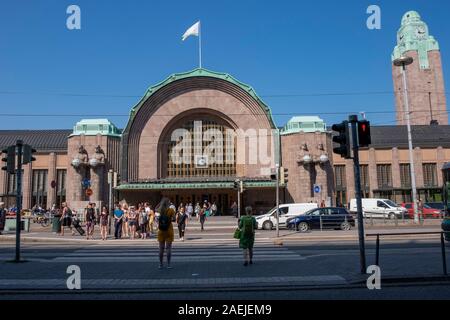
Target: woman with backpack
<point>165,231</point>
<point>247,225</point>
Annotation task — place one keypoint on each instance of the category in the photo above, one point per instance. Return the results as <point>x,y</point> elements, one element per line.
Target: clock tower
<point>425,81</point>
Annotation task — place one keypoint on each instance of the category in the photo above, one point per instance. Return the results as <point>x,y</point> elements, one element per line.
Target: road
<point>209,265</point>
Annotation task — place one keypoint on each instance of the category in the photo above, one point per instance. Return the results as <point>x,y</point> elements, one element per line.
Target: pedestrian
<point>118,220</point>
<point>202,216</point>
<point>165,231</point>
<point>125,226</point>
<point>151,220</point>
<point>420,209</point>
<point>234,209</point>
<point>66,219</point>
<point>143,222</point>
<point>197,210</point>
<point>182,219</point>
<point>247,225</point>
<point>2,216</point>
<point>90,221</point>
<point>190,210</point>
<point>322,204</point>
<point>132,221</point>
<point>104,219</point>
<point>213,209</point>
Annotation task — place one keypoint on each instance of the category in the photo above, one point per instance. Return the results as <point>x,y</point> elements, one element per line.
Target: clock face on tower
<point>421,32</point>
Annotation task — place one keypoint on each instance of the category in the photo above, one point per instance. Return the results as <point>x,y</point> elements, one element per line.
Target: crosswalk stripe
<point>174,259</point>
<point>182,254</point>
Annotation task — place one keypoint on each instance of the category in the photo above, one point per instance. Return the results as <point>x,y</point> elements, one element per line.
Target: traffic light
<point>364,139</point>
<point>28,154</point>
<point>343,139</point>
<point>283,175</point>
<point>236,184</point>
<point>10,159</point>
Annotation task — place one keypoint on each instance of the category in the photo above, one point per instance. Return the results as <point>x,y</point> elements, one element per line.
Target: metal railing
<point>373,219</point>
<point>377,246</point>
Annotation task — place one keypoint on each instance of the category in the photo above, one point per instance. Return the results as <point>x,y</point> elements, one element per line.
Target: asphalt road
<point>319,265</point>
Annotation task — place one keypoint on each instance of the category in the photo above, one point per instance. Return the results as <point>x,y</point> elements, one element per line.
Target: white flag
<point>192,31</point>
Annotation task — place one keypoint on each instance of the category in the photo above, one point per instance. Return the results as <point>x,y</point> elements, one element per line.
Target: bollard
<point>444,259</point>
<point>377,251</point>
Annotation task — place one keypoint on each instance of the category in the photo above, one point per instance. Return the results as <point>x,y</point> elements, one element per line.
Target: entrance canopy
<point>180,185</point>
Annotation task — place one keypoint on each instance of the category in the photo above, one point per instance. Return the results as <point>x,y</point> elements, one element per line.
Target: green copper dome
<point>411,16</point>
<point>414,35</point>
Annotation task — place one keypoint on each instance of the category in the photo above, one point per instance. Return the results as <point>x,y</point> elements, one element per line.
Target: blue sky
<point>291,52</point>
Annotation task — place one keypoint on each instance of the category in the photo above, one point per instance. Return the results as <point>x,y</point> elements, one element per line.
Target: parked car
<point>269,220</point>
<point>436,205</point>
<point>428,212</point>
<point>322,218</point>
<point>379,208</point>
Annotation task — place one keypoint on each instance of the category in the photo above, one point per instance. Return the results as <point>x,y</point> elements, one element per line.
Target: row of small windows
<point>40,186</point>
<point>384,176</point>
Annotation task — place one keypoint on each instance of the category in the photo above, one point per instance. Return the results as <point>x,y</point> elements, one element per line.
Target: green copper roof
<point>414,35</point>
<point>92,127</point>
<point>305,124</point>
<point>194,185</point>
<point>200,72</point>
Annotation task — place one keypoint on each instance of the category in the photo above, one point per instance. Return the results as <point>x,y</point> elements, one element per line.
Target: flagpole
<point>200,44</point>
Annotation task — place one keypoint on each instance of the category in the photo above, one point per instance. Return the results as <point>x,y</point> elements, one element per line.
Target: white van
<point>379,208</point>
<point>269,220</point>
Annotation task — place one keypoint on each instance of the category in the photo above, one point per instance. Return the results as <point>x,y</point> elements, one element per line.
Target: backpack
<point>164,222</point>
<point>69,213</point>
<point>247,226</point>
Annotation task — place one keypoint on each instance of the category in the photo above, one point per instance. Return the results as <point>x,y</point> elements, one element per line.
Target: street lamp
<point>403,62</point>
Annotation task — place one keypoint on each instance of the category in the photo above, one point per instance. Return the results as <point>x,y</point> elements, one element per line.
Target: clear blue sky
<point>279,47</point>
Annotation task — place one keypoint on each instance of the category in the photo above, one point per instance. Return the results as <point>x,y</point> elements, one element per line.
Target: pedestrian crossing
<point>223,253</point>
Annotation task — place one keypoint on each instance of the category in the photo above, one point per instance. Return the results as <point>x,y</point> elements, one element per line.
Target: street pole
<point>239,198</point>
<point>110,182</point>
<point>278,198</point>
<point>19,148</point>
<point>403,62</point>
<point>353,119</point>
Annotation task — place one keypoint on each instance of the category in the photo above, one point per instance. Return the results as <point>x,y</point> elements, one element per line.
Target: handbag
<point>237,234</point>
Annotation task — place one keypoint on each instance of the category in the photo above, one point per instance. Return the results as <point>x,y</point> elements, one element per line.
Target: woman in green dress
<point>247,225</point>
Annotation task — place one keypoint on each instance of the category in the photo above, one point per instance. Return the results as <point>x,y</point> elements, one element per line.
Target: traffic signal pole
<point>353,119</point>
<point>278,199</point>
<point>19,148</point>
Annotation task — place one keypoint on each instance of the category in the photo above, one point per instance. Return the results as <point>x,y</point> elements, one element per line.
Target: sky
<point>301,57</point>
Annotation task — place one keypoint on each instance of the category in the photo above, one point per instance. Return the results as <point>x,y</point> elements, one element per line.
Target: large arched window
<point>202,147</point>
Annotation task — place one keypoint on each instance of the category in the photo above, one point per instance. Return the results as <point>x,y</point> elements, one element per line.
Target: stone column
<point>97,179</point>
<point>3,182</point>
<point>350,179</point>
<point>27,186</point>
<point>322,181</point>
<point>373,179</point>
<point>440,163</point>
<point>77,176</point>
<point>396,181</point>
<point>51,192</point>
<point>418,168</point>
